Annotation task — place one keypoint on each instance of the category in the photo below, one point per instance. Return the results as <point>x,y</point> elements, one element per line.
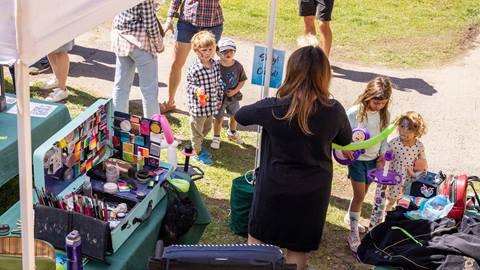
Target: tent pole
<point>268,71</point>
<point>25,164</point>
<point>24,142</point>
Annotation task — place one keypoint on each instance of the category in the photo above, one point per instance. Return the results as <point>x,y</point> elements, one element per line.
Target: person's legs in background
<point>60,63</point>
<point>39,66</point>
<point>180,55</point>
<point>183,34</point>
<point>12,73</point>
<point>309,25</point>
<point>124,74</point>
<point>324,16</point>
<point>147,66</point>
<point>325,37</point>
<point>322,11</point>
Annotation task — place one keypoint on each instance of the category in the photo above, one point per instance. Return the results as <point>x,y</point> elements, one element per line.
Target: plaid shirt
<point>210,79</point>
<point>137,27</point>
<point>201,13</point>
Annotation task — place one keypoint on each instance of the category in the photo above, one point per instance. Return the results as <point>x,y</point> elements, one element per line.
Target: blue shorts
<point>229,108</point>
<point>358,170</point>
<point>185,31</point>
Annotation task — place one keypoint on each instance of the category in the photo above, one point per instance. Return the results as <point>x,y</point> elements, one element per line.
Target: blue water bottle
<point>73,246</point>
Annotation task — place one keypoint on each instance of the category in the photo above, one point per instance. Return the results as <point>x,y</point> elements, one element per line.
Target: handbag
<point>180,216</point>
<point>455,187</point>
<point>241,197</point>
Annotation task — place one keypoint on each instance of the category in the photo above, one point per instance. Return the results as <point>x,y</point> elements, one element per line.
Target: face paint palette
<point>80,148</point>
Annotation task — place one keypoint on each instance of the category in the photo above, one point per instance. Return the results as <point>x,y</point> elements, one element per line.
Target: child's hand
<point>380,160</point>
<point>348,154</point>
<point>411,171</point>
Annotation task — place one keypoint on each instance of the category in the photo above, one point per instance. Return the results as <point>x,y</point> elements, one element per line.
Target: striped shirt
<point>137,27</point>
<point>210,79</point>
<point>201,13</point>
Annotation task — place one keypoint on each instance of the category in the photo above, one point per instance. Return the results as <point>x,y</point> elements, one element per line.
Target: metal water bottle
<point>73,246</point>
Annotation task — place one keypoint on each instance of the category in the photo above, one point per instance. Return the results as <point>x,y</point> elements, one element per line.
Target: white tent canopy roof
<point>45,25</point>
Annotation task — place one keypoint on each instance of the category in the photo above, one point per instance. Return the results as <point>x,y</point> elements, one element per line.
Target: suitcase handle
<point>145,216</point>
<point>159,249</point>
<point>199,174</point>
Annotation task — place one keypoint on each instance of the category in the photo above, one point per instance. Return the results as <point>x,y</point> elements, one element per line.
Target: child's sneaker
<point>361,228</point>
<point>203,157</point>
<point>353,241</point>
<point>235,137</point>
<point>215,143</point>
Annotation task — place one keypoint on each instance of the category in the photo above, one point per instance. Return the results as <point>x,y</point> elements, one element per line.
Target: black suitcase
<point>216,257</point>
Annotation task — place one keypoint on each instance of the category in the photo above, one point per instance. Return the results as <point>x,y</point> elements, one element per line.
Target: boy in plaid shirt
<point>204,90</point>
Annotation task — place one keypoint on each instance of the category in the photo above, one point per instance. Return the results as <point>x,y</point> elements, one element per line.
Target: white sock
<point>354,217</point>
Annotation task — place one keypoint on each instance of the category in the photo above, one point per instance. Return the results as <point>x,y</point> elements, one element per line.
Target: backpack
<point>455,187</point>
<point>180,216</point>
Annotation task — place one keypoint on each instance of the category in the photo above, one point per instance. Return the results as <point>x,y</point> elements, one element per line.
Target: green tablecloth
<point>42,129</point>
<point>134,253</point>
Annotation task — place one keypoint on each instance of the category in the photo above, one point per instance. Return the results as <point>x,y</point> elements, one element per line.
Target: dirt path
<point>448,97</point>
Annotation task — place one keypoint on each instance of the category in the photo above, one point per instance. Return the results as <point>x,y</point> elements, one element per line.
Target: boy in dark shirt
<point>233,78</point>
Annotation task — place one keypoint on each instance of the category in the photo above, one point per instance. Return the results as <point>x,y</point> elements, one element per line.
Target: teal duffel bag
<point>241,198</point>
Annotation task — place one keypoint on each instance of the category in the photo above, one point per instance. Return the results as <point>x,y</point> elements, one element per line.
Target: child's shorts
<point>359,169</point>
<point>228,108</point>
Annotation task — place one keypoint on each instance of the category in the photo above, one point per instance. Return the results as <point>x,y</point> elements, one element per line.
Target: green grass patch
<point>402,33</point>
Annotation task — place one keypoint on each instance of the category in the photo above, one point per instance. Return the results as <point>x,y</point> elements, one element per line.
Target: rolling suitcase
<point>216,257</point>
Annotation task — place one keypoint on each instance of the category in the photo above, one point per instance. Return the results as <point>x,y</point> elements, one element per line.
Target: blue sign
<point>260,66</point>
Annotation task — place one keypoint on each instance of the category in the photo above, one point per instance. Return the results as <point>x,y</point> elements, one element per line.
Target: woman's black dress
<point>295,176</point>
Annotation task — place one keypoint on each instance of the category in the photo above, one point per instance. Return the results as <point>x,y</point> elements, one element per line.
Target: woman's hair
<point>307,82</point>
<point>379,88</point>
<point>203,39</point>
<point>415,123</point>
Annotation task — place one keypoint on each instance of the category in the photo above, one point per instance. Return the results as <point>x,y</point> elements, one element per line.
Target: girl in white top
<point>370,112</point>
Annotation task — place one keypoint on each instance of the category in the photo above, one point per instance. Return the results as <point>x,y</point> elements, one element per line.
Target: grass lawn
<point>402,33</point>
<point>231,161</point>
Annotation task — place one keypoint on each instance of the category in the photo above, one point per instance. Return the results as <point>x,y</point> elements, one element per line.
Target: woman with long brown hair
<point>294,179</point>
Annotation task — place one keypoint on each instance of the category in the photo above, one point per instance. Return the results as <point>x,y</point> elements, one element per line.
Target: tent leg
<point>25,165</point>
<point>268,71</point>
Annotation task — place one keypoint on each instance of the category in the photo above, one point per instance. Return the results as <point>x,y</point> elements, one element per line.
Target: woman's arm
<point>249,115</point>
<point>344,135</point>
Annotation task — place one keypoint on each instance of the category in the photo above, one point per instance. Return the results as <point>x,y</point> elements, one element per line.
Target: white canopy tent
<point>29,30</point>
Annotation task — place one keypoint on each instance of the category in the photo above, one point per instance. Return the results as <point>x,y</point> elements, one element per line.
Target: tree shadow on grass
<point>97,63</point>
<point>76,96</point>
<point>402,84</point>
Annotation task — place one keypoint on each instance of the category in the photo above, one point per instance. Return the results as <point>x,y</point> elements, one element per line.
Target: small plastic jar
<point>112,174</point>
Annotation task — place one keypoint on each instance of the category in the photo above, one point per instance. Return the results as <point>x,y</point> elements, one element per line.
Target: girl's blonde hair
<point>307,81</point>
<point>415,123</point>
<point>379,88</point>
<point>203,39</point>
